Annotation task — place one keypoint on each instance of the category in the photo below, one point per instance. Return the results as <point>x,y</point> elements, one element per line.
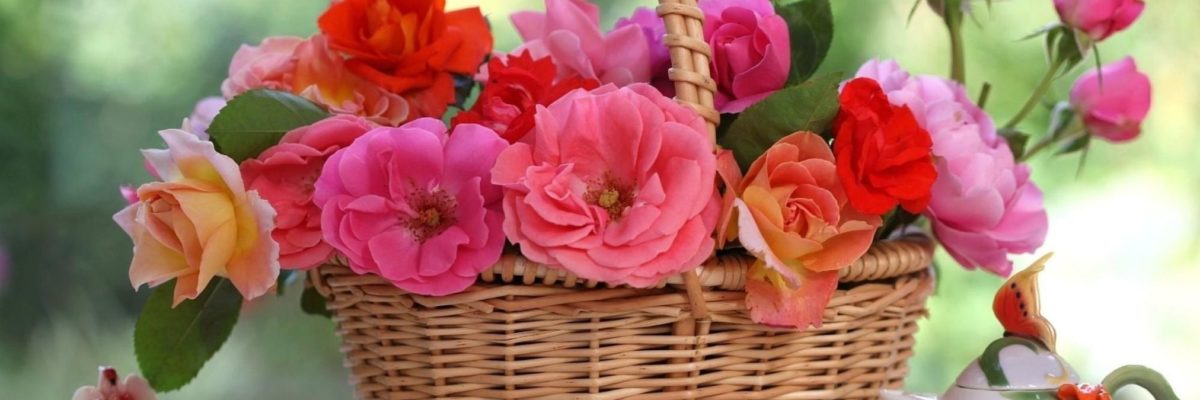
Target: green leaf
<point>255,120</point>
<point>1061,119</point>
<point>809,106</point>
<point>313,303</point>
<point>172,344</point>
<point>1017,141</point>
<point>1075,145</point>
<point>810,30</point>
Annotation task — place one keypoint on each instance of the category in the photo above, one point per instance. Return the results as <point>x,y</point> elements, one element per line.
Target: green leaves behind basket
<point>810,31</point>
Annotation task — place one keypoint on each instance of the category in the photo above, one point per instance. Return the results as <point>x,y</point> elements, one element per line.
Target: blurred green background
<point>84,83</point>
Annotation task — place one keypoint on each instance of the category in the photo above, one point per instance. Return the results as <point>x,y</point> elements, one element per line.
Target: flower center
<point>434,212</point>
<point>611,195</point>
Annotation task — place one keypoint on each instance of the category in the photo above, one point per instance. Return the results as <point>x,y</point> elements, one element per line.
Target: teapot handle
<point>1138,375</point>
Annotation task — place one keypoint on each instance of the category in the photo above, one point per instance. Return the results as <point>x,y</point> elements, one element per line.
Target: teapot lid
<point>1014,363</point>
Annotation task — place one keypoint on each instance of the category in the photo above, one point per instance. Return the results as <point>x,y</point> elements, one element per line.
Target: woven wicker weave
<point>528,331</point>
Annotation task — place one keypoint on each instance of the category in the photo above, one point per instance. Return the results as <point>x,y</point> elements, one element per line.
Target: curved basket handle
<point>694,87</point>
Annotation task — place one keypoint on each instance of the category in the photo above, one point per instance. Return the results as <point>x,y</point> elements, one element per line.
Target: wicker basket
<point>528,331</point>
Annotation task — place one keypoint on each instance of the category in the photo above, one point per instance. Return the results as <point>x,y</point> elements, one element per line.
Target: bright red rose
<point>409,47</point>
<point>883,154</point>
<point>514,90</point>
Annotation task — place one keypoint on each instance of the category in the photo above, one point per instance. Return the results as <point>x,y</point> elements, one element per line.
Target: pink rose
<point>285,175</point>
<point>266,66</point>
<point>1114,109</point>
<point>202,116</point>
<point>654,30</point>
<point>110,387</point>
<point>414,205</point>
<point>752,53</point>
<point>617,185</point>
<point>1099,19</point>
<point>569,33</point>
<point>311,69</point>
<point>984,206</point>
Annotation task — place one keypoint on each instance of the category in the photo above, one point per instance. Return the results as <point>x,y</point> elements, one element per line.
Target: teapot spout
<point>1138,375</point>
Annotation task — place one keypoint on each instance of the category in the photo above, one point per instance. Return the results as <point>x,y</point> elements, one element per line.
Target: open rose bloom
<point>199,223</point>
<point>618,185</point>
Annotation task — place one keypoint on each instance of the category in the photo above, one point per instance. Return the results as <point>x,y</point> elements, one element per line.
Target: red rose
<point>512,92</point>
<point>409,47</point>
<point>883,154</point>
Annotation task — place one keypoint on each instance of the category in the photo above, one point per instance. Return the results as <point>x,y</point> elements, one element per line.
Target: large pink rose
<point>285,175</point>
<point>984,206</point>
<point>617,186</point>
<point>569,33</point>
<point>752,52</point>
<point>1099,19</point>
<point>1115,109</point>
<point>415,205</point>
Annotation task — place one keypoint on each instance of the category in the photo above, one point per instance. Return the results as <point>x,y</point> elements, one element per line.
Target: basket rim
<point>886,259</point>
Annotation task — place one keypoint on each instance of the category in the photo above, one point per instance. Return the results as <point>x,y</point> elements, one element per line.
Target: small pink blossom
<point>202,116</point>
<point>110,387</point>
<point>1114,106</point>
<point>617,185</point>
<point>569,32</point>
<point>752,54</point>
<point>128,193</point>
<point>285,175</point>
<point>1099,19</point>
<point>415,205</point>
<point>984,206</point>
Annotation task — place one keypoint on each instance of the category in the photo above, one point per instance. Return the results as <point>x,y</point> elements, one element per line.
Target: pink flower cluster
<point>983,205</point>
<point>751,48</point>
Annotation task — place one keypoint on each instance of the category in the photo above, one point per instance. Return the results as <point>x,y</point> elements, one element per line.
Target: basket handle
<point>694,87</point>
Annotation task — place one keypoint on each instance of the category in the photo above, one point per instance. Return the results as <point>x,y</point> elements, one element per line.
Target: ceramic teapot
<point>1023,365</point>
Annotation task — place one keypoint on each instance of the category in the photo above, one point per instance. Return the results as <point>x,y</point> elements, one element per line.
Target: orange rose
<point>794,216</point>
<point>410,47</point>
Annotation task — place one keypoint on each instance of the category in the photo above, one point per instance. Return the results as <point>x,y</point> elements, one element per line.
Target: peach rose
<point>199,222</point>
<point>794,216</point>
<point>311,69</point>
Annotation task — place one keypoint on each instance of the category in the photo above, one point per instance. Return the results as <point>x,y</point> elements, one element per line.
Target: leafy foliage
<point>313,303</point>
<point>809,106</point>
<point>172,344</point>
<point>810,30</point>
<point>257,119</point>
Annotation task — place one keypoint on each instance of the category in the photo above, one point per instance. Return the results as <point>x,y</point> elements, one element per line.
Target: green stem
<point>1037,95</point>
<point>958,68</point>
<point>1047,141</point>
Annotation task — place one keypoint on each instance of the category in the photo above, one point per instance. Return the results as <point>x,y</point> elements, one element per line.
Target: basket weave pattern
<point>529,331</point>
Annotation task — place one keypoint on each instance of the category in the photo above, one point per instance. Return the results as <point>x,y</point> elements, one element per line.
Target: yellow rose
<point>199,222</point>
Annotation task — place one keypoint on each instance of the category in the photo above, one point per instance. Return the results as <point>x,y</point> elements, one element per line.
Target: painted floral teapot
<point>1023,365</point>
